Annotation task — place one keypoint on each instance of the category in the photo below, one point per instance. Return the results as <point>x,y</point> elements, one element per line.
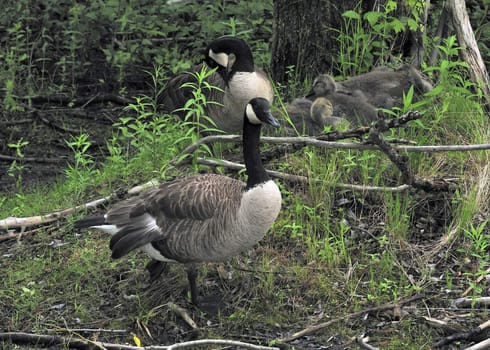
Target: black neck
<point>244,62</point>
<point>251,140</point>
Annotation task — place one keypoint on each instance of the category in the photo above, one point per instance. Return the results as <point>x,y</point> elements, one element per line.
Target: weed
<point>479,241</point>
<point>15,169</point>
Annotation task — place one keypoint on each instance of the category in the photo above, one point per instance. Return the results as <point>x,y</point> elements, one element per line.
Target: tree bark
<point>305,37</point>
<point>470,51</point>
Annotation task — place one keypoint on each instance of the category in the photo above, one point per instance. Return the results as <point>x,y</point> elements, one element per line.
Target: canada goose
<point>236,77</point>
<point>200,218</point>
<point>384,87</point>
<point>351,106</point>
<point>309,117</point>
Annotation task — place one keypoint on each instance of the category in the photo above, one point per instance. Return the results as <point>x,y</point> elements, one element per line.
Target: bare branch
<point>468,336</point>
<point>30,159</point>
<point>317,327</point>
<point>51,340</point>
<point>300,178</point>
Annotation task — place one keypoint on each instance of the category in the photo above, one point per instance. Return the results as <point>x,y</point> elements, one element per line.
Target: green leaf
<point>351,14</point>
<point>372,17</point>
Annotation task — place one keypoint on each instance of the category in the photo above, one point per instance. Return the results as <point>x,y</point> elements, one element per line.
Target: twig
<point>362,342</point>
<point>58,127</point>
<point>317,327</point>
<point>300,178</point>
<point>182,313</point>
<point>464,302</point>
<point>16,122</point>
<point>14,222</point>
<point>464,336</point>
<point>402,161</point>
<point>310,141</point>
<point>51,340</point>
<point>30,159</point>
<point>480,346</point>
<point>62,99</point>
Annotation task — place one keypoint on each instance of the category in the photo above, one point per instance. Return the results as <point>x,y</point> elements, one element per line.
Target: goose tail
<point>91,221</point>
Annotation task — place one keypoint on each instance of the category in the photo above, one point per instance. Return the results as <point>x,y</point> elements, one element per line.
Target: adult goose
<point>237,80</point>
<point>200,218</point>
<point>351,106</point>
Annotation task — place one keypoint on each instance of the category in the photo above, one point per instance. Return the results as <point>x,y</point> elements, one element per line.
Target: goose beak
<point>268,118</point>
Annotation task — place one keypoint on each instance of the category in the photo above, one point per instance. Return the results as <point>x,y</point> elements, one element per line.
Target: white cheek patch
<point>220,58</point>
<point>252,117</point>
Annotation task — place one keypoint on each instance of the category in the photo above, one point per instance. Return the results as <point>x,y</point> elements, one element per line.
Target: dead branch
<point>467,336</point>
<point>183,314</point>
<point>465,302</point>
<point>311,141</point>
<point>300,178</point>
<point>65,100</point>
<point>363,343</point>
<point>14,222</point>
<point>30,159</point>
<point>52,340</point>
<point>480,346</point>
<point>317,327</point>
<point>56,126</point>
<point>402,161</point>
<point>16,122</point>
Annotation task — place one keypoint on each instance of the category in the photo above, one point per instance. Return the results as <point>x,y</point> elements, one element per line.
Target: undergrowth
<point>331,251</point>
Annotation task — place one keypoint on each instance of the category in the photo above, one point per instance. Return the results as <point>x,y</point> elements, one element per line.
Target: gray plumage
<point>311,117</point>
<point>384,87</point>
<point>351,106</point>
<point>237,80</point>
<point>199,218</point>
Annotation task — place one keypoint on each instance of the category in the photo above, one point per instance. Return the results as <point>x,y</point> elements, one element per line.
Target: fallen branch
<point>310,141</point>
<point>402,161</point>
<point>465,302</point>
<point>65,100</point>
<point>14,222</point>
<point>30,159</point>
<point>300,178</point>
<point>52,340</point>
<point>480,346</point>
<point>363,343</point>
<point>467,336</point>
<point>317,327</point>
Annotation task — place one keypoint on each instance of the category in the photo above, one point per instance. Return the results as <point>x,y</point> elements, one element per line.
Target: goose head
<point>229,55</point>
<point>323,85</point>
<point>258,112</point>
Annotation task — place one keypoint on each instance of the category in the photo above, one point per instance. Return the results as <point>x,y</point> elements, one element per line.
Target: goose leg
<point>156,268</point>
<point>191,276</point>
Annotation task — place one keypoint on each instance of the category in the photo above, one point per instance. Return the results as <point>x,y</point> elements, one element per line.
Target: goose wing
<point>147,218</point>
<point>196,198</point>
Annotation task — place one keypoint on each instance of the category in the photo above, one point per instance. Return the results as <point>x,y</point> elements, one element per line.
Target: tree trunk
<point>304,37</point>
<point>471,53</point>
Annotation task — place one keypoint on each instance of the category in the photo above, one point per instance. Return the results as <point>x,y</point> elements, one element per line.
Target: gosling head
<point>323,85</point>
